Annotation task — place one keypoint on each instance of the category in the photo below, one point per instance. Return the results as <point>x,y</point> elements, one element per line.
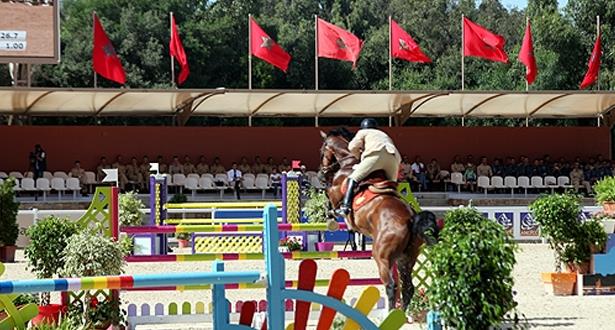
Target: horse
<point>397,231</point>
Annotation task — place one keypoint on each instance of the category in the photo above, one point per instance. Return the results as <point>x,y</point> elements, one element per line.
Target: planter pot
<point>582,268</point>
<point>283,249</point>
<point>325,246</point>
<point>49,314</point>
<point>7,253</point>
<point>183,243</point>
<point>561,284</point>
<point>608,208</point>
<point>419,317</point>
<point>609,226</point>
<point>594,249</point>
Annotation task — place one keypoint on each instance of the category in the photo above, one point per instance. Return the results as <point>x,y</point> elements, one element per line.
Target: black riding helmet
<point>369,123</point>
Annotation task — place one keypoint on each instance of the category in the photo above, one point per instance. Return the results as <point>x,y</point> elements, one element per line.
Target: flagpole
<point>527,25</point>
<point>172,58</point>
<point>462,55</point>
<point>94,29</point>
<point>598,36</point>
<point>249,51</point>
<point>316,49</point>
<point>390,61</point>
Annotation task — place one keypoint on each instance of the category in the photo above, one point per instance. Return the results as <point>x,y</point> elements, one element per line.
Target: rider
<point>377,152</point>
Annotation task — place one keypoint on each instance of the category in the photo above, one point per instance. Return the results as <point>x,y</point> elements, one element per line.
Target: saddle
<point>372,186</point>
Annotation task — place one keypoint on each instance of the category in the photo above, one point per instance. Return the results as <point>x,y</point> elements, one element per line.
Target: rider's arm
<point>356,146</point>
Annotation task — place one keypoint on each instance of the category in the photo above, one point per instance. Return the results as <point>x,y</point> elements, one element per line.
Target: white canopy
<point>298,103</point>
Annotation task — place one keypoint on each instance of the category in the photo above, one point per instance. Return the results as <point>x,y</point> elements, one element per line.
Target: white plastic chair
<point>59,185</point>
<point>208,175</point>
<point>483,182</point>
<point>16,175</point>
<point>249,182</point>
<point>511,182</point>
<point>262,183</point>
<point>179,180</point>
<point>194,175</point>
<point>537,183</point>
<point>3,175</point>
<point>221,177</point>
<point>17,187</point>
<point>73,185</point>
<point>42,184</point>
<point>29,175</point>
<point>47,175</point>
<point>551,182</point>
<point>564,182</point>
<point>249,176</point>
<point>60,174</point>
<point>497,182</point>
<point>457,178</point>
<point>206,183</point>
<point>90,177</point>
<point>1,180</point>
<point>192,183</point>
<point>524,182</point>
<point>27,184</point>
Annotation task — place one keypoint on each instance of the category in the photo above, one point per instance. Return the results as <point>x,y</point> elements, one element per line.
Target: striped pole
<point>171,229</point>
<point>297,255</point>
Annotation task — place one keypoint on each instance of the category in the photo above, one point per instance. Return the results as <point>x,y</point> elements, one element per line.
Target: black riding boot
<point>346,206</point>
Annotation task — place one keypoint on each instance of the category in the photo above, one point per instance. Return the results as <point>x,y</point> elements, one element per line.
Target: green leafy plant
<point>178,198</point>
<point>557,215</point>
<point>472,266</point>
<point>65,324</point>
<point>291,243</point>
<point>130,209</point>
<point>183,236</point>
<point>26,298</point>
<point>605,190</point>
<point>315,207</point>
<point>419,306</point>
<point>9,231</point>
<point>594,234</point>
<point>93,255</point>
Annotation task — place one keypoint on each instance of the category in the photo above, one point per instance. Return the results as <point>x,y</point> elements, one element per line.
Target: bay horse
<point>397,231</point>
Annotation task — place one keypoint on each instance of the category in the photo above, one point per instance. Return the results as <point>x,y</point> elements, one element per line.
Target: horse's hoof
<point>332,225</point>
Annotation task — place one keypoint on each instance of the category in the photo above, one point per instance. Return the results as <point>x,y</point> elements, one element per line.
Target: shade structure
<point>299,103</point>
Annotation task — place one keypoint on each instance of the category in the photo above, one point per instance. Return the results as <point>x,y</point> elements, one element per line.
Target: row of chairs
<point>90,176</point>
<point>512,183</point>
<point>45,186</point>
<point>219,183</point>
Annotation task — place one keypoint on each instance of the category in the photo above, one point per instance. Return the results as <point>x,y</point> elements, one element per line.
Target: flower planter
<point>561,284</point>
<point>282,249</point>
<point>609,226</point>
<point>7,253</point>
<point>183,243</point>
<point>49,314</point>
<point>582,268</point>
<point>325,246</point>
<point>609,207</point>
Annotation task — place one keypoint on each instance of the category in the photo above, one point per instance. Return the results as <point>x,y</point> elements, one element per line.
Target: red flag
<point>266,48</point>
<point>594,65</point>
<point>526,55</point>
<point>335,42</point>
<point>480,42</point>
<point>404,47</point>
<point>104,59</point>
<point>177,50</point>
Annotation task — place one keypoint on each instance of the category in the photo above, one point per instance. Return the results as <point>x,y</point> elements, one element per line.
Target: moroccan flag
<point>404,47</point>
<point>594,65</point>
<point>266,48</point>
<point>104,59</point>
<point>335,42</point>
<point>526,55</point>
<point>177,51</point>
<point>480,42</point>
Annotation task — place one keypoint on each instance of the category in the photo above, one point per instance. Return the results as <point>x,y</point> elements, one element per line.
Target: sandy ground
<point>542,310</point>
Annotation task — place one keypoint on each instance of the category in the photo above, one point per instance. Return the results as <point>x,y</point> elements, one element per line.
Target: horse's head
<point>427,227</point>
<point>333,149</point>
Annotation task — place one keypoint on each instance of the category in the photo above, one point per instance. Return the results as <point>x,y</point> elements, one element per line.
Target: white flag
<point>110,175</point>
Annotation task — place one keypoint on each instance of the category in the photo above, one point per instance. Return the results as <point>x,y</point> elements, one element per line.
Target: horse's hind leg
<point>385,271</point>
<point>405,264</point>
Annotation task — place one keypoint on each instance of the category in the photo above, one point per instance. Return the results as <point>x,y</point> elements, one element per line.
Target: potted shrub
<point>607,221</point>
<point>472,264</point>
<point>94,255</point>
<point>290,244</point>
<point>315,210</point>
<point>130,209</point>
<point>605,194</point>
<point>9,231</point>
<point>183,239</point>
<point>178,198</point>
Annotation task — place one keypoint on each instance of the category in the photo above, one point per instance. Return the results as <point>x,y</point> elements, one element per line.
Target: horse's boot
<point>346,206</point>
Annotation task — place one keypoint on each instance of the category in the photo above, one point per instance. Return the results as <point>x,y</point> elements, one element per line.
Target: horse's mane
<point>341,131</point>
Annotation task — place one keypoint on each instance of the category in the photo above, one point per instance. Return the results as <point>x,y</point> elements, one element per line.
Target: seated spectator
<point>202,167</point>
<point>216,167</point>
<point>144,168</point>
<point>121,172</point>
<point>498,168</point>
<point>133,172</point>
<point>162,166</point>
<point>234,178</point>
<point>284,165</point>
<point>469,175</point>
<point>420,171</point>
<point>244,167</point>
<point>556,170</point>
<point>469,160</point>
<point>484,169</point>
<point>565,167</point>
<point>79,173</point>
<point>275,181</point>
<point>258,167</point>
<point>525,168</point>
<point>535,168</point>
<point>543,169</point>
<point>577,178</point>
<point>510,169</point>
<point>433,171</point>
<point>405,166</point>
<point>457,166</point>
<point>99,169</point>
<point>176,167</point>
<point>270,166</point>
<point>188,167</point>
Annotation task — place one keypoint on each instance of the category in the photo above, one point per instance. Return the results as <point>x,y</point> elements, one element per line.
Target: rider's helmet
<point>369,123</point>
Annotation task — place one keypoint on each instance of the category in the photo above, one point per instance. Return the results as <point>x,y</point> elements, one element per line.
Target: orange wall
<point>64,144</point>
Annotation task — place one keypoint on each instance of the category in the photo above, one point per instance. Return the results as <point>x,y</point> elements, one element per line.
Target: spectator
<point>469,175</point>
<point>457,166</point>
<point>188,166</point>
<point>275,181</point>
<point>469,159</point>
<point>244,167</point>
<point>234,179</point>
<point>79,173</point>
<point>524,168</point>
<point>145,172</point>
<point>133,172</point>
<point>99,169</point>
<point>419,170</point>
<point>284,165</point>
<point>40,161</point>
<point>162,166</point>
<point>405,166</point>
<point>258,167</point>
<point>270,165</point>
<point>543,168</point>
<point>564,167</point>
<point>535,168</point>
<point>556,170</point>
<point>510,169</point>
<point>497,168</point>
<point>434,172</point>
<point>484,169</point>
<point>202,167</point>
<point>216,167</point>
<point>176,167</point>
<point>577,178</point>
<point>121,171</point>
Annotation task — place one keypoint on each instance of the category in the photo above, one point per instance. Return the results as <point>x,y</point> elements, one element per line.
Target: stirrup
<point>343,211</point>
